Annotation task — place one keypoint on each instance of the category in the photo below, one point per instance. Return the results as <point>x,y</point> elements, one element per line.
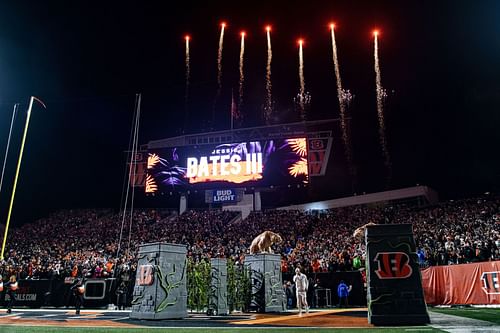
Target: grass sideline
<point>51,329</point>
<point>491,315</point>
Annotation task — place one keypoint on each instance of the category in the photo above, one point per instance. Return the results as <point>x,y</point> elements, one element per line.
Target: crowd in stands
<point>97,243</point>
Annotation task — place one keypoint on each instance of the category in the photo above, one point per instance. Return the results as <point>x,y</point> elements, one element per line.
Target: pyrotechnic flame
<point>299,146</point>
<point>153,159</point>
<point>269,100</point>
<point>345,98</point>
<point>151,186</point>
<point>299,168</point>
<point>381,95</point>
<point>242,74</point>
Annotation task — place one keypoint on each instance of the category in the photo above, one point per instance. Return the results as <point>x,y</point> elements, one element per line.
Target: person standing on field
<point>301,286</point>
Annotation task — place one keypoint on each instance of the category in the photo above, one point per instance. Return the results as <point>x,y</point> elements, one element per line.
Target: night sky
<point>87,60</point>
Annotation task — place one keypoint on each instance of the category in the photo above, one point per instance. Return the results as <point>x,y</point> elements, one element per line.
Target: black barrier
<point>99,293</point>
<point>357,296</point>
<point>31,293</point>
<point>56,293</point>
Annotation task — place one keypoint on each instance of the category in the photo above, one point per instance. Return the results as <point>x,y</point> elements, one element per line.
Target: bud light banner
<point>253,163</point>
<point>226,196</point>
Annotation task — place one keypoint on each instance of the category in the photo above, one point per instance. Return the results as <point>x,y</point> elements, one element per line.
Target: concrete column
<point>257,205</point>
<point>218,292</point>
<point>160,290</point>
<point>395,295</point>
<point>182,204</point>
<point>267,283</point>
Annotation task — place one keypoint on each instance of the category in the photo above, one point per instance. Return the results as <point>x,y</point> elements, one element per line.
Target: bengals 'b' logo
<point>145,276</point>
<point>490,282</point>
<point>316,144</point>
<point>393,265</point>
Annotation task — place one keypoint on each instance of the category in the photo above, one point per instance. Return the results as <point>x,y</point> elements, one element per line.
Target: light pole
<point>8,143</point>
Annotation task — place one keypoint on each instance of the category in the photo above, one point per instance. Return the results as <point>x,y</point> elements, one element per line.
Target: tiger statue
<point>262,243</point>
<point>359,233</point>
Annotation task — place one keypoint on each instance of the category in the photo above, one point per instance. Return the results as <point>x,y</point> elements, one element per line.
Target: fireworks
<point>302,91</point>
<point>242,74</point>
<point>347,97</point>
<point>302,99</point>
<point>188,70</point>
<point>344,97</point>
<point>219,69</point>
<point>381,95</point>
<point>269,100</point>
<point>219,59</point>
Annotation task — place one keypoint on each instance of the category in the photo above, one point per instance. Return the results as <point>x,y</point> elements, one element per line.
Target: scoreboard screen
<point>243,164</point>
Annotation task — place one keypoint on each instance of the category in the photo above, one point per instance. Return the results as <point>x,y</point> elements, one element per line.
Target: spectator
<point>79,242</point>
<point>343,294</point>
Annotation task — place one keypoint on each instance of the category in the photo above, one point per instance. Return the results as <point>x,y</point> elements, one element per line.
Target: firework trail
<point>219,71</point>
<point>242,74</point>
<point>302,82</point>
<point>269,100</point>
<point>188,72</point>
<point>344,99</point>
<point>219,59</point>
<point>381,95</point>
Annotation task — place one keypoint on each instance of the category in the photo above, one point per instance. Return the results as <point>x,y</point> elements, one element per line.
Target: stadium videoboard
<point>255,163</point>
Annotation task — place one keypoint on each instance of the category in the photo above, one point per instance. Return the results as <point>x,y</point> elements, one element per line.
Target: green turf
<point>29,329</point>
<point>487,314</point>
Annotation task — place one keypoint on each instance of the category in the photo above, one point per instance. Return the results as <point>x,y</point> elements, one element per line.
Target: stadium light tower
<point>33,98</point>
